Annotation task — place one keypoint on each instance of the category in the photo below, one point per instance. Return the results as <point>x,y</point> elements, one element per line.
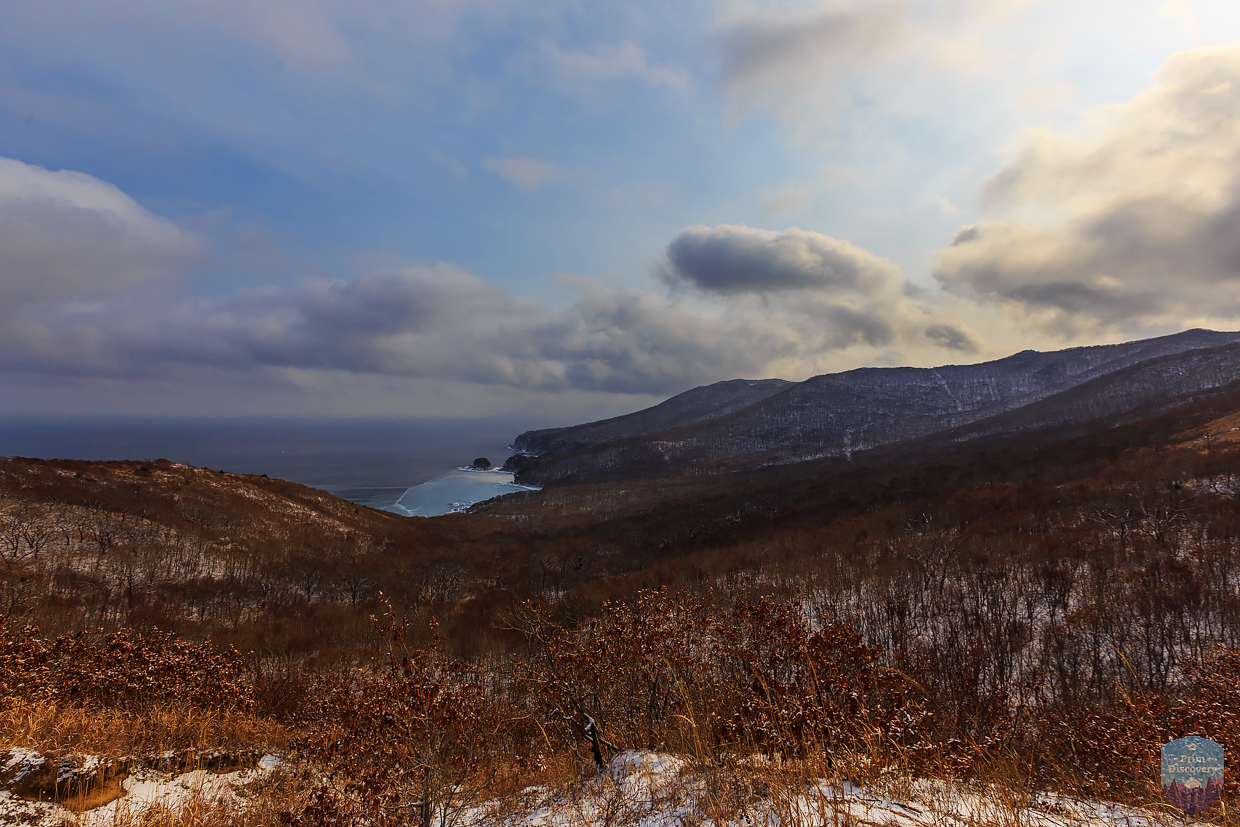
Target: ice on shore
<point>455,491</point>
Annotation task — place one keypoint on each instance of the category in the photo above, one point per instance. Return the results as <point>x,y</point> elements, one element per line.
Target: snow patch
<point>144,789</point>
<point>647,789</point>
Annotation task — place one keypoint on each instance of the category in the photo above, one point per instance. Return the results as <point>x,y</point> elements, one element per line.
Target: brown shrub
<point>120,669</point>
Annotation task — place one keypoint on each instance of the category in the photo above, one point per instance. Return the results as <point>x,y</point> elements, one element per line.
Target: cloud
<point>526,173</point>
<point>773,50</point>
<point>809,61</point>
<point>940,203</point>
<point>441,322</point>
<point>826,295</point>
<point>953,337</point>
<point>300,33</point>
<point>788,200</point>
<point>65,236</point>
<point>419,321</point>
<point>1180,10</point>
<point>575,67</point>
<point>303,34</point>
<point>1058,95</point>
<point>78,257</point>
<point>733,258</point>
<point>1129,225</point>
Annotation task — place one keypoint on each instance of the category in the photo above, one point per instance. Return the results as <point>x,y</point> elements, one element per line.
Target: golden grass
<point>63,730</point>
<point>266,807</point>
<point>266,801</point>
<point>198,811</point>
<point>738,788</point>
<point>740,791</point>
<point>107,792</point>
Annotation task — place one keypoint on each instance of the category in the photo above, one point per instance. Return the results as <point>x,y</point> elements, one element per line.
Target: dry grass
<point>198,799</point>
<point>58,730</point>
<point>265,805</point>
<point>850,791</point>
<point>107,792</point>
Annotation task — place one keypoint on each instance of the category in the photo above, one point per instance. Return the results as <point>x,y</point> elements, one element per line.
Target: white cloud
<point>1053,96</point>
<point>791,303</point>
<point>526,173</point>
<point>66,236</point>
<point>788,200</point>
<point>1183,13</point>
<point>304,33</point>
<point>810,61</point>
<point>575,67</point>
<point>1129,225</point>
<point>940,203</point>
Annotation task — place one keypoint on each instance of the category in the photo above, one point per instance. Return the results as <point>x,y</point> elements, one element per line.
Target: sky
<point>566,210</point>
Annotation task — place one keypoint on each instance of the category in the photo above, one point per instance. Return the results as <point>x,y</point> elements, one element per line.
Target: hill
<point>709,402</point>
<point>842,414</point>
<point>1033,604</point>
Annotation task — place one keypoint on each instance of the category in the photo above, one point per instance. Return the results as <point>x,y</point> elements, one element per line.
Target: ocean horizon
<point>371,462</point>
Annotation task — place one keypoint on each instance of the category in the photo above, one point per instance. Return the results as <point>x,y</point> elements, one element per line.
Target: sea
<point>407,466</point>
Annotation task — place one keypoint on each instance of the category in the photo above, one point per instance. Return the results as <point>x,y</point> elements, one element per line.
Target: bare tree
<point>24,532</point>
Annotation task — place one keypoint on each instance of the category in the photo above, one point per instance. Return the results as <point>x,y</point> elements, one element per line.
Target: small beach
<point>455,491</point>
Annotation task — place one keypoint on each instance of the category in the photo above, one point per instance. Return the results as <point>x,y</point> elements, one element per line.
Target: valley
<point>1032,601</point>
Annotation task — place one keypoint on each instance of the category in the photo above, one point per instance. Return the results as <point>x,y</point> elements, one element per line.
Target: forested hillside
<point>1044,607</point>
<point>846,413</point>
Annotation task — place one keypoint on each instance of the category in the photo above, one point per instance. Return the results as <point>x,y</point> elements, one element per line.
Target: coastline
<point>456,491</point>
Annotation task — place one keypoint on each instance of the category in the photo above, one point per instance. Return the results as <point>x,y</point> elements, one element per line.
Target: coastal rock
<point>517,464</point>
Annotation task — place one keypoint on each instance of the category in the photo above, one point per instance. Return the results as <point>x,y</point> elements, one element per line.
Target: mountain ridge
<point>707,401</point>
<point>857,410</point>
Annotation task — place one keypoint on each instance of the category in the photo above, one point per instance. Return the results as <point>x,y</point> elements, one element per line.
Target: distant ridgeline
<point>742,424</point>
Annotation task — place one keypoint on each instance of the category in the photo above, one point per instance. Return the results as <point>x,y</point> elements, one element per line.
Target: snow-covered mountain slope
<point>839,414</point>
<point>707,402</point>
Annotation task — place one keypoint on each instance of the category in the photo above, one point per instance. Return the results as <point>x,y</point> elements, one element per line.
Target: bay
<point>456,491</point>
<point>368,461</point>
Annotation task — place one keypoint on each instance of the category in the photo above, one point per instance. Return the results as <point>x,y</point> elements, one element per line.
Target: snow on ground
<point>642,789</point>
<point>35,813</point>
<point>927,804</point>
<point>21,763</point>
<point>146,789</point>
<point>646,789</point>
<point>143,789</point>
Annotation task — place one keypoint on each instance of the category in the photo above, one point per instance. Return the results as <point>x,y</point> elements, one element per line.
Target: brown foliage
<point>683,674</point>
<point>1058,611</point>
<point>408,740</point>
<point>120,669</point>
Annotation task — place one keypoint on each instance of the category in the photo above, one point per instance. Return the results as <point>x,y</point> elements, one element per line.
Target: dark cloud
<point>794,48</point>
<point>436,322</point>
<point>954,337</point>
<point>734,258</point>
<point>835,296</point>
